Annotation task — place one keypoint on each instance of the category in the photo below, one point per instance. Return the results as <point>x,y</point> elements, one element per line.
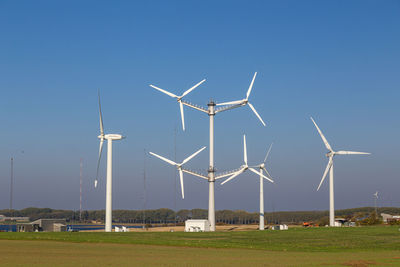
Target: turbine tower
<point>109,138</point>
<point>211,111</point>
<point>260,173</point>
<point>376,199</point>
<point>329,167</point>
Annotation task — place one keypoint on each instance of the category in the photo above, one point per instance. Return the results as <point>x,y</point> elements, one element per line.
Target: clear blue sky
<point>338,61</point>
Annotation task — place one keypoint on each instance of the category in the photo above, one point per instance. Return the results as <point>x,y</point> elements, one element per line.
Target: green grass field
<point>359,246</point>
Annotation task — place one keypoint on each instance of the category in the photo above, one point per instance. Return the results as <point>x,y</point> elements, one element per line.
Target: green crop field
<point>358,246</point>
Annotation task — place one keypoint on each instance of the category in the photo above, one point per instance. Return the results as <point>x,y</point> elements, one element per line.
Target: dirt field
<point>348,246</point>
<point>50,253</point>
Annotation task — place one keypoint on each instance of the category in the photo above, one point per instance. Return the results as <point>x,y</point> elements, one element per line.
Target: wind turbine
<point>109,138</point>
<point>376,199</point>
<point>245,101</point>
<point>179,166</point>
<point>329,167</point>
<point>179,98</point>
<point>260,173</point>
<point>211,111</point>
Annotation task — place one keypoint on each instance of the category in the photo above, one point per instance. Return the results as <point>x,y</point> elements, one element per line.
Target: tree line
<point>168,216</point>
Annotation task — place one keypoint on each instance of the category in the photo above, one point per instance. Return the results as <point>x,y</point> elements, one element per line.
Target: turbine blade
<point>236,102</point>
<point>251,86</point>
<point>328,166</point>
<point>244,150</point>
<point>255,112</point>
<point>322,136</point>
<point>192,88</point>
<point>101,117</point>
<point>181,179</point>
<point>98,161</point>
<point>266,171</point>
<point>351,153</point>
<point>269,150</point>
<point>192,156</point>
<point>164,91</point>
<point>260,174</point>
<point>233,176</point>
<point>182,116</point>
<point>164,159</point>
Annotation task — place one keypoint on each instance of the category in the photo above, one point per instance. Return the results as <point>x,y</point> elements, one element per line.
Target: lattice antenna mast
<point>144,188</point>
<point>11,183</point>
<point>80,190</point>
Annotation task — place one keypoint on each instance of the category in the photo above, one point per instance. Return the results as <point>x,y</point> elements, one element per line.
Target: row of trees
<point>222,216</point>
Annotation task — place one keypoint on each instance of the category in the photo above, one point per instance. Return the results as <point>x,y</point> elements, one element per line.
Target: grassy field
<point>359,246</point>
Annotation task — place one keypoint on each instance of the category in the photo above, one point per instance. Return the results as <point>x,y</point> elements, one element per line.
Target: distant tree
<point>323,221</point>
<point>372,219</point>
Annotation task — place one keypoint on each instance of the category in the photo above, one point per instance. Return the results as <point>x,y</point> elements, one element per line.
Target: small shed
<point>280,227</point>
<point>197,226</point>
<point>49,225</point>
<point>59,227</point>
<point>26,227</point>
<point>339,222</point>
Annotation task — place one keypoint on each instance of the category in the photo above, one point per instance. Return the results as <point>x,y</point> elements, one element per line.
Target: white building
<point>197,226</point>
<point>389,217</point>
<point>280,227</point>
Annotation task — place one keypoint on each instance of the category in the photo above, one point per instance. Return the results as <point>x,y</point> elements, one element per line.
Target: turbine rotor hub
<point>330,154</point>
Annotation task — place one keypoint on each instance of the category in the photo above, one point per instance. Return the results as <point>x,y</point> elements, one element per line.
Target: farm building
<point>387,217</point>
<point>43,225</point>
<point>197,226</point>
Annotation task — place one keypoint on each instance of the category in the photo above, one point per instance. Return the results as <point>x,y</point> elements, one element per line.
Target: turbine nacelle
<point>111,137</point>
<point>244,167</point>
<point>330,154</point>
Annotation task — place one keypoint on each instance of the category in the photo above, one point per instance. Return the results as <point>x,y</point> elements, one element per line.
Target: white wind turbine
<point>260,173</point>
<point>376,199</point>
<point>109,138</point>
<point>331,153</point>
<point>179,166</point>
<point>179,98</point>
<point>245,101</point>
<point>211,111</point>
